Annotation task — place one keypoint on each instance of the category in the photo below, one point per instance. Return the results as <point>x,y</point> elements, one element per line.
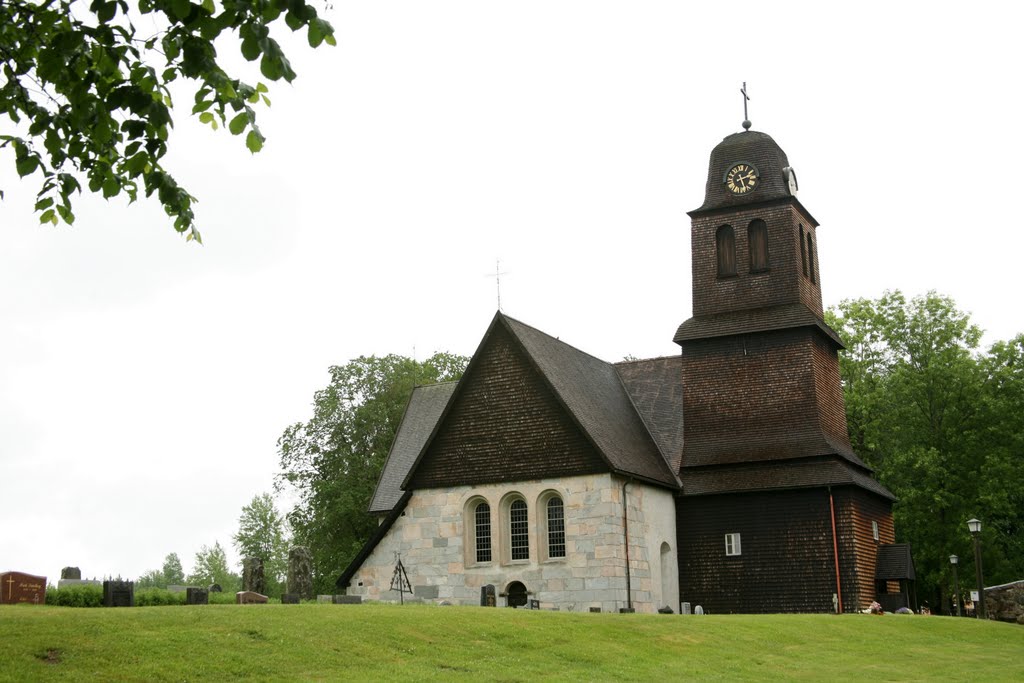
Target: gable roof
<point>421,415</point>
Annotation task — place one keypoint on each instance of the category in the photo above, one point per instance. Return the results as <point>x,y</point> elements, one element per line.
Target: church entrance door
<point>516,594</point>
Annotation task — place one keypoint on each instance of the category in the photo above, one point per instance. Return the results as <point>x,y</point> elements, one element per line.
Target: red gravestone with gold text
<point>18,587</point>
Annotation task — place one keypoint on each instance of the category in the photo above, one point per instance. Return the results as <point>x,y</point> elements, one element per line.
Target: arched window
<point>556,527</point>
<point>482,532</point>
<point>757,241</point>
<point>810,256</point>
<point>725,245</point>
<point>519,530</point>
<point>803,251</point>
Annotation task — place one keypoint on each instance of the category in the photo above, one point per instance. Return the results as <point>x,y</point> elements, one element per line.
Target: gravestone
<point>252,575</point>
<point>666,610</point>
<point>534,604</point>
<point>117,593</point>
<point>627,610</point>
<point>348,599</point>
<point>18,587</point>
<point>197,596</point>
<point>488,597</point>
<point>300,572</point>
<point>289,598</point>
<point>250,598</point>
<point>698,610</point>
<point>595,610</point>
<point>324,599</point>
<point>71,573</point>
<point>686,608</point>
<point>215,588</point>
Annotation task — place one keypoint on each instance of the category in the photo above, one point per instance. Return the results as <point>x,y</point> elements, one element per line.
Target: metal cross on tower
<point>498,272</point>
<point>746,98</point>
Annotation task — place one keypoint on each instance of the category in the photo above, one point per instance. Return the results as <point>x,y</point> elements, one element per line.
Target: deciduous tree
<point>334,459</point>
<point>262,533</point>
<point>211,566</point>
<point>86,85</point>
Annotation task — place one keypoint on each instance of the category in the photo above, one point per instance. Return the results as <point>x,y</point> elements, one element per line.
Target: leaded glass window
<point>483,532</point>
<point>519,530</point>
<point>556,527</point>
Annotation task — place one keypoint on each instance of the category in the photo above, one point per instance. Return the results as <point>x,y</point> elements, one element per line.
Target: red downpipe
<point>835,549</point>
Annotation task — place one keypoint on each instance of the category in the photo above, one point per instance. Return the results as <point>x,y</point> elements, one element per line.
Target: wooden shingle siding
<point>504,425</point>
<point>855,510</point>
<point>752,397</point>
<point>786,563</point>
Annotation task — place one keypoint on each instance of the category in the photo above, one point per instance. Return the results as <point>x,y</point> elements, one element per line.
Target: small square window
<point>874,530</point>
<point>732,544</point>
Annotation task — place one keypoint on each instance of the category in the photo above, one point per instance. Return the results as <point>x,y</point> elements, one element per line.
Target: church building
<point>722,476</point>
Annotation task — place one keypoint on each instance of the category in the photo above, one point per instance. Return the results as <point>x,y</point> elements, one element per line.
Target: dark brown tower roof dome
<point>750,147</point>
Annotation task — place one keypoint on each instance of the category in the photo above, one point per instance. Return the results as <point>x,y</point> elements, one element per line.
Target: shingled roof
<point>656,387</point>
<point>793,474</point>
<point>753,320</point>
<point>421,415</point>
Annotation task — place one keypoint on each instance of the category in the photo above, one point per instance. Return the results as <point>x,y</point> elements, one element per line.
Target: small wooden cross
<point>10,586</point>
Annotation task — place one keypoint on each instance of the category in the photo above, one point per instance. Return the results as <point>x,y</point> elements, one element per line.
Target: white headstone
<point>698,610</point>
<point>686,608</point>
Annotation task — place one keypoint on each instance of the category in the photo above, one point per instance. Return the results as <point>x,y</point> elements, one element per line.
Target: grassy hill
<point>416,642</point>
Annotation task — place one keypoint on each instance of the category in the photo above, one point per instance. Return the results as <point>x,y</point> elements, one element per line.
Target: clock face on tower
<point>742,178</point>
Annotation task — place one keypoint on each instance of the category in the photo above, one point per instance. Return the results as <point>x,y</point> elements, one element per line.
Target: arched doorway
<point>515,594</point>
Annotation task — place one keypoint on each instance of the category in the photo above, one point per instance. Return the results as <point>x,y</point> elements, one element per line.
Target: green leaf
<point>238,123</point>
<point>206,117</point>
<point>260,87</point>
<point>26,165</point>
<point>330,40</point>
<point>181,8</point>
<point>208,6</point>
<point>254,141</point>
<point>44,203</point>
<point>48,216</point>
<point>250,49</point>
<point>111,186</point>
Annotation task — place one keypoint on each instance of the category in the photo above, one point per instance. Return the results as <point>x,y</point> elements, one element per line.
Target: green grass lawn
<point>415,642</point>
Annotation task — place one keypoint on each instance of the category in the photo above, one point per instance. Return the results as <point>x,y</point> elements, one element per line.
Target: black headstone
<point>534,604</point>
<point>595,609</point>
<point>627,610</point>
<point>118,593</point>
<point>197,596</point>
<point>488,597</point>
<point>215,588</point>
<point>666,610</point>
<point>71,573</point>
<point>289,598</point>
<point>347,599</point>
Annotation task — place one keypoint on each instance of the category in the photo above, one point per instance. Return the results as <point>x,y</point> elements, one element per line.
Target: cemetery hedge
<point>422,642</point>
<point>92,596</point>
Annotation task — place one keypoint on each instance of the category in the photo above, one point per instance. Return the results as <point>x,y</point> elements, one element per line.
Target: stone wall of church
<point>434,538</point>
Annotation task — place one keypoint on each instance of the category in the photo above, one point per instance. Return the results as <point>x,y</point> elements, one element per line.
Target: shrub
<point>75,596</point>
<point>154,597</point>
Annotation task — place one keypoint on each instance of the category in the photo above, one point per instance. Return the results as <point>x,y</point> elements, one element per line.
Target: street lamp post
<point>953,560</point>
<point>974,526</point>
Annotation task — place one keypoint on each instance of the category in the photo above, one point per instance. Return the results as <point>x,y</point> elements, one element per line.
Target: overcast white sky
<point>144,381</point>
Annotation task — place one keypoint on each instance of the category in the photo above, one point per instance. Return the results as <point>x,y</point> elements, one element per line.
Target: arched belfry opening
<point>515,594</point>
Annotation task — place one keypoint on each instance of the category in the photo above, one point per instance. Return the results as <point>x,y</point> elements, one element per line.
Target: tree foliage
<point>262,533</point>
<point>941,423</point>
<point>170,575</point>
<point>88,90</point>
<point>333,460</point>
<point>211,566</point>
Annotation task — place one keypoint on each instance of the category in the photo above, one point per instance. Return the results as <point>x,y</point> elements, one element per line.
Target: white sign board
<point>974,596</point>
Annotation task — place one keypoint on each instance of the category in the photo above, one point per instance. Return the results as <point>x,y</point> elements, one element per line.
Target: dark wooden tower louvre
<point>777,514</point>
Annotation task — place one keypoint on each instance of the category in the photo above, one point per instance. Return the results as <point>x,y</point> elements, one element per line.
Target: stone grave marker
<point>253,578</point>
<point>698,610</point>
<point>289,598</point>
<point>16,587</point>
<point>488,596</point>
<point>117,593</point>
<point>215,588</point>
<point>595,609</point>
<point>534,604</point>
<point>300,572</point>
<point>686,608</point>
<point>250,598</point>
<point>197,596</point>
<point>324,599</point>
<point>71,573</point>
<point>348,599</point>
